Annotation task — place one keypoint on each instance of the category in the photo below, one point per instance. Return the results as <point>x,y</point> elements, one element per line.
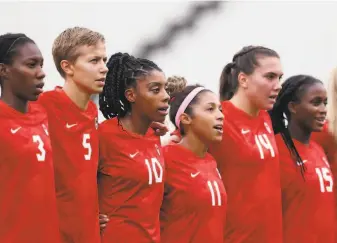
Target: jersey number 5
<point>41,156</point>
<point>153,168</point>
<point>86,144</point>
<point>324,177</point>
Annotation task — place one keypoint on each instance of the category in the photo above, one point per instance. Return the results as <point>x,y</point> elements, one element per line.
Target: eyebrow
<point>155,83</point>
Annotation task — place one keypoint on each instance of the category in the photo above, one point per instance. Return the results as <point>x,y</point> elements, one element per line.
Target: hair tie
<point>229,67</point>
<point>185,103</point>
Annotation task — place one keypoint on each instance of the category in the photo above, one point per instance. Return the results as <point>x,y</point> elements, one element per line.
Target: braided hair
<point>9,44</point>
<point>292,91</point>
<point>124,70</point>
<point>246,60</point>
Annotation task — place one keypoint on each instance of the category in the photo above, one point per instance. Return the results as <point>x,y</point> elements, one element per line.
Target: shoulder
<point>108,126</point>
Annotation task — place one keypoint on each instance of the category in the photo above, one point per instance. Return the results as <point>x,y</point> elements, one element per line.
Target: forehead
<point>313,90</point>
<point>27,51</point>
<point>154,76</point>
<point>269,65</point>
<point>207,97</point>
<point>93,50</point>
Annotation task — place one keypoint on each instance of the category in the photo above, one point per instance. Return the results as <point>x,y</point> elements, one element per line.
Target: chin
<point>217,139</point>
<point>317,129</point>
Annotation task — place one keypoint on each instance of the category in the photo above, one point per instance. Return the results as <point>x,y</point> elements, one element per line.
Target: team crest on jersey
<point>157,148</point>
<point>267,127</point>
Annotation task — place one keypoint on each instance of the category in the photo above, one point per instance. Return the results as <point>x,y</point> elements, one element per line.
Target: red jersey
<point>308,205</point>
<point>27,199</point>
<point>130,184</point>
<point>248,163</point>
<point>75,148</point>
<point>194,205</point>
<point>326,140</point>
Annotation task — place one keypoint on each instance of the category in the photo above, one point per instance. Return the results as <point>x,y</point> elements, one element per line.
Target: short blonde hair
<point>175,84</point>
<point>65,46</point>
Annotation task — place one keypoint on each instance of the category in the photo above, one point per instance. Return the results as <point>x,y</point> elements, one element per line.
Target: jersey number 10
<point>153,168</point>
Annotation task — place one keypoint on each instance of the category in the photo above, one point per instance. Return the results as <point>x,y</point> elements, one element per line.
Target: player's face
<point>89,70</point>
<point>25,76</point>
<point>207,119</point>
<point>263,85</point>
<point>310,112</point>
<point>151,97</point>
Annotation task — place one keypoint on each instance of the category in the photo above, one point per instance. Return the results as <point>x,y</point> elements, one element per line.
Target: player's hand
<point>103,220</point>
<point>159,128</point>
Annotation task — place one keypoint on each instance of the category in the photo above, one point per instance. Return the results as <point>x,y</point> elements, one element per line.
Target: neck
<point>15,102</point>
<point>135,123</point>
<point>242,102</point>
<point>297,132</point>
<point>79,96</point>
<point>194,144</point>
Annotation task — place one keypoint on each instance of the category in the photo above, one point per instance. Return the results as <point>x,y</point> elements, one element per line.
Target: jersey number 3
<point>41,155</point>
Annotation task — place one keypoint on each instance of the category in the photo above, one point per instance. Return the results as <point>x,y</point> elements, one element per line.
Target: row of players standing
<point>145,199</point>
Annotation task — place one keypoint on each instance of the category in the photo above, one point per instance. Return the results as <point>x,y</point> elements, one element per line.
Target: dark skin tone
<point>22,79</point>
<point>308,115</point>
<point>149,104</point>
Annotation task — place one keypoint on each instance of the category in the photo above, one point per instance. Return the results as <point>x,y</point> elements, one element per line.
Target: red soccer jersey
<point>27,188</point>
<point>130,184</point>
<point>75,148</point>
<point>248,163</point>
<point>194,205</point>
<point>308,205</point>
<point>326,140</point>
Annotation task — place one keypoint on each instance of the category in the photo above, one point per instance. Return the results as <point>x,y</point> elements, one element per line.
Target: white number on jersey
<point>215,193</point>
<point>153,168</point>
<point>86,144</point>
<point>324,177</point>
<point>262,142</point>
<point>41,156</point>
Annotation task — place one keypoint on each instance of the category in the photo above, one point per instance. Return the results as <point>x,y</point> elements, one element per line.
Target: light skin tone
<point>22,80</point>
<point>308,115</point>
<point>258,91</point>
<point>205,124</point>
<point>86,75</point>
<point>149,103</point>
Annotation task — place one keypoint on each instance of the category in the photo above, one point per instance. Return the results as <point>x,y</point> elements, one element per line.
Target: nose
<point>166,96</point>
<point>277,86</point>
<point>104,68</point>
<point>40,74</point>
<point>219,115</point>
<point>322,109</point>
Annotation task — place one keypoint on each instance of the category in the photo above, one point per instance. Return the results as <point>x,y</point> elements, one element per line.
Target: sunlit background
<point>191,39</point>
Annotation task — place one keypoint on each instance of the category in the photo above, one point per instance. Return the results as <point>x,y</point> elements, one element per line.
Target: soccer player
<point>174,85</point>
<point>27,188</point>
<point>79,55</point>
<point>131,170</point>
<point>247,156</point>
<point>194,204</point>
<point>307,183</point>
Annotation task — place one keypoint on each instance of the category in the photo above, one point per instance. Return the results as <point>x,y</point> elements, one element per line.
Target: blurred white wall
<point>304,33</point>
